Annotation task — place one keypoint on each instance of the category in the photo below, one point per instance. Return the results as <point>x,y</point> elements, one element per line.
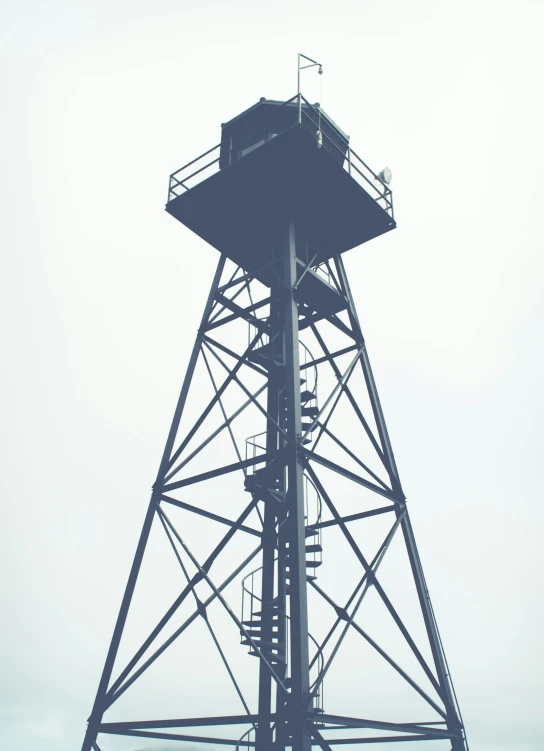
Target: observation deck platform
<point>241,209</point>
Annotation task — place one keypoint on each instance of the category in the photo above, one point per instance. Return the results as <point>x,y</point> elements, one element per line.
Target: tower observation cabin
<point>279,161</point>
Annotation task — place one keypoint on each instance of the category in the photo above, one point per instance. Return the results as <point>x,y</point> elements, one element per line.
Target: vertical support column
<point>299,660</point>
<point>268,611</point>
<point>282,707</point>
<point>98,708</point>
<point>299,99</point>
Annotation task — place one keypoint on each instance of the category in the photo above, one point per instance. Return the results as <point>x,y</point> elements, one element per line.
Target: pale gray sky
<point>102,293</point>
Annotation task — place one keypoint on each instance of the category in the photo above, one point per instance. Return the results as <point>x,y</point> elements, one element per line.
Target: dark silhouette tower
<point>305,513</point>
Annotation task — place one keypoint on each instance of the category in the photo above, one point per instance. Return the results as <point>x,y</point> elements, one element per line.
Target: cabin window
<point>251,147</point>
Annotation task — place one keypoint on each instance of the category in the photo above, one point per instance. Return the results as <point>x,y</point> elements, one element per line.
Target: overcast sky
<point>102,294</point>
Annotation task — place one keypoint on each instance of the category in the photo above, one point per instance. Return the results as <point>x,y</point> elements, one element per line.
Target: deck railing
<point>277,121</point>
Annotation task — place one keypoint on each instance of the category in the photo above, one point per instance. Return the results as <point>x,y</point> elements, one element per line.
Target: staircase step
<point>309,426</point>
<point>263,480</point>
<point>263,489</point>
<point>310,411</point>
<point>312,548</point>
<point>311,532</point>
<point>251,623</point>
<point>260,354</point>
<point>306,396</point>
<point>258,613</point>
<point>309,561</point>
<point>263,358</point>
<point>266,646</point>
<point>309,564</point>
<point>255,632</point>
<point>271,658</point>
<point>309,577</point>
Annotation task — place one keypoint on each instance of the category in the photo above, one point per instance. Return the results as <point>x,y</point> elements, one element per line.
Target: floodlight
<point>385,175</point>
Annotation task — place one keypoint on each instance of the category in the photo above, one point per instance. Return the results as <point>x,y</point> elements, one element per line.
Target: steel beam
<point>180,737</point>
<point>300,675</point>
<point>227,469</point>
<point>264,732</point>
<point>352,517</point>
<point>209,515</point>
<point>406,727</point>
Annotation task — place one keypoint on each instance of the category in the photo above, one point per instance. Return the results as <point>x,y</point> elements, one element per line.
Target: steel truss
<point>281,469</point>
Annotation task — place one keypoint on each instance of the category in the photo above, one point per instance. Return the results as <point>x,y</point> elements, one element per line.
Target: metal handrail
<point>249,743</point>
<point>252,595</point>
<point>349,160</point>
<point>320,501</point>
<point>196,172</point>
<point>195,160</point>
<point>252,445</point>
<point>174,182</point>
<point>307,353</point>
<point>350,153</point>
<point>319,657</point>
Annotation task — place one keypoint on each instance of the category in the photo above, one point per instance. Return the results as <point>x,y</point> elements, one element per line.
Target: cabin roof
<point>263,102</point>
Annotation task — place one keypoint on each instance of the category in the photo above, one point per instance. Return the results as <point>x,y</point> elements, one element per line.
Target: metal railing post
<point>298,93</point>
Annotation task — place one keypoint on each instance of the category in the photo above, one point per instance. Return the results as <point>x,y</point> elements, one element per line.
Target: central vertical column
<point>299,661</point>
<point>268,610</point>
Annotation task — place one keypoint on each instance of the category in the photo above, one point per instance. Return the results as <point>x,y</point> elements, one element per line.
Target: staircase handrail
<point>319,654</point>
<point>308,352</point>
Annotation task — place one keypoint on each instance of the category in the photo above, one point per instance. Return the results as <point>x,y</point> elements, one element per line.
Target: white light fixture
<point>385,175</point>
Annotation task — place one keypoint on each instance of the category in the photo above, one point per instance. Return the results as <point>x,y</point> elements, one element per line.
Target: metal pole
<point>298,93</point>
<point>282,702</point>
<point>299,660</point>
<point>263,735</point>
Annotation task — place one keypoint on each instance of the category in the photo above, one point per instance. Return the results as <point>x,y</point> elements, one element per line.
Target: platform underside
<point>241,210</point>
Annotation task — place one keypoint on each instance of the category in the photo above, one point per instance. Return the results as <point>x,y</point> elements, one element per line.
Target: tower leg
<point>99,706</point>
<point>453,719</point>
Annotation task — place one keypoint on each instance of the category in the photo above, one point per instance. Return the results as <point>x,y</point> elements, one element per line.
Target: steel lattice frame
<point>284,710</point>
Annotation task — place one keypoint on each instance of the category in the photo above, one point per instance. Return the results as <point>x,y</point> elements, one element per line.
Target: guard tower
<point>286,469</point>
